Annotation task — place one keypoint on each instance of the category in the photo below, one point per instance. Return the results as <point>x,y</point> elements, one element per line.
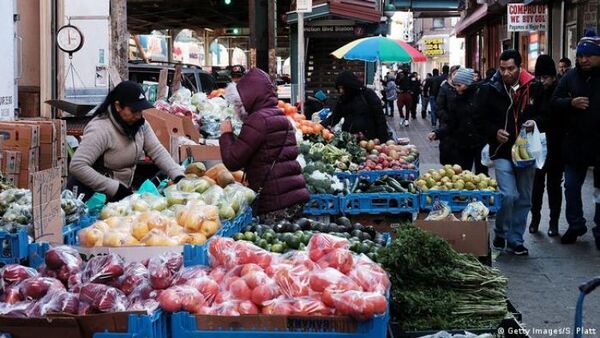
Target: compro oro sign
<point>522,18</point>
<point>433,47</point>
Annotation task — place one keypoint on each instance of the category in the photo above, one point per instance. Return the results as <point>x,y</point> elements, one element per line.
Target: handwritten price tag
<point>47,214</point>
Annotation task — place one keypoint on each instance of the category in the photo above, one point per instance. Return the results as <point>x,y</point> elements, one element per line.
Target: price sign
<point>303,6</point>
<point>47,214</point>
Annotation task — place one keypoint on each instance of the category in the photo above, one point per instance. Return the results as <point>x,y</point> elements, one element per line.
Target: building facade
<point>550,27</point>
<point>436,39</point>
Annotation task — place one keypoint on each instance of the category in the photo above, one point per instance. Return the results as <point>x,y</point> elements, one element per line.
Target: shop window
<point>438,23</point>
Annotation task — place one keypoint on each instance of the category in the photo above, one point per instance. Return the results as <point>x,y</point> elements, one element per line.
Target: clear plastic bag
<point>213,195</point>
<point>321,244</point>
<point>13,273</point>
<point>475,211</point>
<point>360,305</point>
<point>332,279</point>
<point>37,287</point>
<point>134,274</point>
<point>103,298</point>
<point>196,184</point>
<point>339,259</point>
<point>294,282</point>
<point>198,217</point>
<point>370,276</point>
<point>163,269</point>
<point>181,297</point>
<point>102,269</point>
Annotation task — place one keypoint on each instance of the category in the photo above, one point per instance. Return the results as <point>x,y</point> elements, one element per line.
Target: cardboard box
<point>465,237</point>
<point>48,156</point>
<point>29,158</point>
<point>62,163</point>
<point>200,152</point>
<point>65,325</point>
<point>21,179</point>
<point>11,162</point>
<point>164,125</point>
<point>47,129</point>
<point>19,135</point>
<point>29,101</point>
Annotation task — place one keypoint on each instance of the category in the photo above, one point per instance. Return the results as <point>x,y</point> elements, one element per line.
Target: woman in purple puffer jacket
<point>266,147</point>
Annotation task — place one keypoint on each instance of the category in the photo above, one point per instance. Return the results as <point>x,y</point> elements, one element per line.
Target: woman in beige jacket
<point>112,143</point>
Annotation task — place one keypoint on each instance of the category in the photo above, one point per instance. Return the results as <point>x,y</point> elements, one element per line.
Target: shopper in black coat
<point>463,124</point>
<point>360,107</point>
<point>552,172</point>
<point>445,98</point>
<point>577,99</point>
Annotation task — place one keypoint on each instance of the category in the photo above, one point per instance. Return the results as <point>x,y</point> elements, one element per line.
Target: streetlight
<point>388,10</point>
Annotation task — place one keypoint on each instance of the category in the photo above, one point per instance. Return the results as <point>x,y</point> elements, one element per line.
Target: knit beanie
<point>544,65</point>
<point>589,44</point>
<point>463,76</point>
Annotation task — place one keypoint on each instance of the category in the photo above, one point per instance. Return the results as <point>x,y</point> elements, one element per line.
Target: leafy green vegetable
<point>434,287</point>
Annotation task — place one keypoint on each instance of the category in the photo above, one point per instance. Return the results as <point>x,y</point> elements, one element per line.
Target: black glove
<point>121,193</point>
<point>178,178</point>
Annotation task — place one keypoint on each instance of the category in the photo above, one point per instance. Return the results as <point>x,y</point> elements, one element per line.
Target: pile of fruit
<point>16,213</point>
<point>454,178</point>
<point>389,155</point>
<point>66,284</point>
<point>326,279</point>
<point>190,212</point>
<point>286,236</point>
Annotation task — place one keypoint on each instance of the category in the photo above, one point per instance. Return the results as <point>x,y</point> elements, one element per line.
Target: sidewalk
<point>542,286</point>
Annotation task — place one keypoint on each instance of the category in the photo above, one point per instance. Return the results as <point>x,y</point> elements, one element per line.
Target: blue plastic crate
<point>183,325</point>
<point>374,175</point>
<point>37,254</point>
<point>322,204</point>
<point>380,203</point>
<point>198,254</point>
<point>459,199</point>
<point>13,246</point>
<point>141,325</point>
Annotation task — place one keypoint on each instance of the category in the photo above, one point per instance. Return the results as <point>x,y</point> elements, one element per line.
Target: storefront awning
<point>471,19</point>
<point>426,5</point>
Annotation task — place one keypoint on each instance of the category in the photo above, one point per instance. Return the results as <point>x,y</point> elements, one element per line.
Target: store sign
<point>526,18</point>
<point>46,210</point>
<point>345,30</point>
<point>434,47</point>
<point>590,15</point>
<point>303,6</point>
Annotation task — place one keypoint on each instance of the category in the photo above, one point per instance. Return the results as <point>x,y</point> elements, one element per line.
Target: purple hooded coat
<point>262,141</point>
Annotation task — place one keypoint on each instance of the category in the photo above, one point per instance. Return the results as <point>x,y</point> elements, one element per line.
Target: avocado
<point>295,227</point>
<point>355,246</point>
<point>302,246</point>
<point>239,236</point>
<point>269,237</point>
<point>249,236</point>
<point>304,223</point>
<point>358,226</point>
<point>364,248</point>
<point>371,230</point>
<point>249,228</point>
<point>262,243</point>
<point>354,239</point>
<point>293,243</point>
<point>279,228</point>
<point>344,221</point>
<point>365,236</point>
<point>373,256</point>
<point>287,226</point>
<point>278,248</point>
<point>356,233</point>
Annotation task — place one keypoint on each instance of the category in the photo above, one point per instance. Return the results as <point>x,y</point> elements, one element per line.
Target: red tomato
<point>264,293</point>
<point>207,287</point>
<point>223,297</point>
<point>247,268</point>
<point>247,308</point>
<point>255,278</point>
<point>327,298</point>
<point>294,282</point>
<point>218,274</point>
<point>240,290</point>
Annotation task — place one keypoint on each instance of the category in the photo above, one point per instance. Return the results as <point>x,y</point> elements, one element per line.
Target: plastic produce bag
<point>37,287</point>
<point>102,269</point>
<point>198,217</point>
<point>213,195</point>
<point>148,187</point>
<point>13,273</point>
<point>339,259</point>
<point>485,157</point>
<point>331,279</point>
<point>59,301</point>
<point>357,304</point>
<point>475,211</point>
<point>162,269</point>
<point>321,244</point>
<point>371,277</point>
<point>103,298</point>
<point>528,149</point>
<point>134,274</point>
<point>181,297</point>
<point>294,282</point>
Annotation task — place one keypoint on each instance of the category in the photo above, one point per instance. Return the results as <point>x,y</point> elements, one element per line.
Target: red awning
<point>471,19</point>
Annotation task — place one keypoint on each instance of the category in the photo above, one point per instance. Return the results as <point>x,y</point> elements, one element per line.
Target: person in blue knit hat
<point>577,99</point>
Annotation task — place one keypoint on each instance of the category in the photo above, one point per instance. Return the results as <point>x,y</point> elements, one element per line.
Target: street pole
<point>300,91</point>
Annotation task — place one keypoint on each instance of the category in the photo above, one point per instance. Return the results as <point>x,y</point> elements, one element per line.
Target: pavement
<point>544,285</point>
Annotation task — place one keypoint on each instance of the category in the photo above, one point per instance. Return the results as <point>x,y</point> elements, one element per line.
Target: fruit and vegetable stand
<point>190,260</point>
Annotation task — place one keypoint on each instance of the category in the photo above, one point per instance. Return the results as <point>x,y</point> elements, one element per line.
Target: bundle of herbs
<point>434,287</point>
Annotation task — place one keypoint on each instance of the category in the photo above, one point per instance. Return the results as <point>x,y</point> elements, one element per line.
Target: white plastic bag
<point>485,157</point>
<point>536,147</point>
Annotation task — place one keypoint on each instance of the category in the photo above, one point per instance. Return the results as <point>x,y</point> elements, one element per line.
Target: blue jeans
<point>574,178</point>
<point>433,107</point>
<point>515,185</point>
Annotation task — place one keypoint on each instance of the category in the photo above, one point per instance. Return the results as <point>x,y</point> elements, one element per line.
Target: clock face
<point>69,39</point>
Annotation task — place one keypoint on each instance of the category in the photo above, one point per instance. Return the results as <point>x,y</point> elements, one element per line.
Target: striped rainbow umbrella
<point>379,48</point>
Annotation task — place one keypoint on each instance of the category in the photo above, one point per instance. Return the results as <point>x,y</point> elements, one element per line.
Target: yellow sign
<point>434,47</point>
